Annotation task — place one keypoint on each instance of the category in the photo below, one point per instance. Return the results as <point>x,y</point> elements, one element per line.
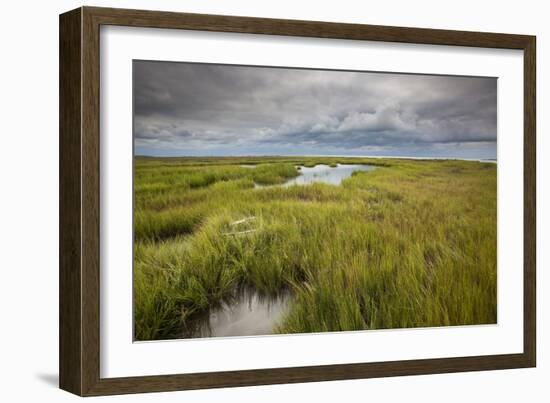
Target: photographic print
<point>272,200</point>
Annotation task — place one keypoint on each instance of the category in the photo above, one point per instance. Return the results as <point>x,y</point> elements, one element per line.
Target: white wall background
<point>29,199</point>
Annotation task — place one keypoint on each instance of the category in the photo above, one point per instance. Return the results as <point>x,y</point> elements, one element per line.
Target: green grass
<point>410,244</point>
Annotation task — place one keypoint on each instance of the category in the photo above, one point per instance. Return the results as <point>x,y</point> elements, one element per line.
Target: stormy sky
<point>185,109</point>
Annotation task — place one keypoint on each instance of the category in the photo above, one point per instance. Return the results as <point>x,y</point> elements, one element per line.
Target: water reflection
<point>247,314</point>
<point>326,174</point>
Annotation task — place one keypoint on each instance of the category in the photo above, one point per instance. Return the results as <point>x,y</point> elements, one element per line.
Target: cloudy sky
<point>205,109</point>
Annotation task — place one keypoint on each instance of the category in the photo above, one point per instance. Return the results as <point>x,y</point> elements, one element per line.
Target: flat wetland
<point>235,246</point>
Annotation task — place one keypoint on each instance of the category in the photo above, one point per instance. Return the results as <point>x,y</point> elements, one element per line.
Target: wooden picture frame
<point>79,346</point>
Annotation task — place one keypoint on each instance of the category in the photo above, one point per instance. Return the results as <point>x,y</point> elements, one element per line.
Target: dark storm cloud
<point>200,109</point>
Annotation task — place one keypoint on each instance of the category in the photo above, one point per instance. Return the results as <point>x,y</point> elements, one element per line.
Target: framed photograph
<point>248,201</point>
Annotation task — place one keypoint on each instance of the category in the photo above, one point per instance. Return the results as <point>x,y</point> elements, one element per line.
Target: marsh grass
<point>410,244</point>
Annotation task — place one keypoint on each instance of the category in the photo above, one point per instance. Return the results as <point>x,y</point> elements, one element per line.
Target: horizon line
<point>315,155</point>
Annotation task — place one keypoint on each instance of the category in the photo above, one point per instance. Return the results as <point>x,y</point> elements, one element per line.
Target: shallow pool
<point>325,174</point>
<point>247,314</point>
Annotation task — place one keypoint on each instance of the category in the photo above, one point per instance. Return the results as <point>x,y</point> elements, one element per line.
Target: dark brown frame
<point>79,201</point>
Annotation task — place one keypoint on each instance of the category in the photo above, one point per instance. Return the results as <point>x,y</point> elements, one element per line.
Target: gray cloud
<point>202,109</point>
